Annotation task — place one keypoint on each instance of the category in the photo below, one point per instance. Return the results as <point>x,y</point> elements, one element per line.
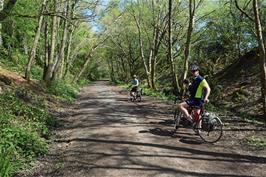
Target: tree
<point>58,69</point>
<point>262,53</point>
<point>36,41</point>
<point>51,61</point>
<point>4,12</point>
<point>192,10</point>
<point>170,53</point>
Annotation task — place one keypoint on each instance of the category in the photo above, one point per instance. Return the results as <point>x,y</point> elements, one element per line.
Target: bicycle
<point>136,96</point>
<point>208,126</point>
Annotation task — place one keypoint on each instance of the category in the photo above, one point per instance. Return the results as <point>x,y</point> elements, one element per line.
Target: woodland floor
<point>103,134</point>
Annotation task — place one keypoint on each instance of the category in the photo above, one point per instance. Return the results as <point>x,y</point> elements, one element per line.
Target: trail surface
<point>103,134</point>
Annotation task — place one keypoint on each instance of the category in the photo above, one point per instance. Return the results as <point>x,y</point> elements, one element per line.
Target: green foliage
<point>64,90</point>
<point>158,94</point>
<point>256,143</point>
<point>96,71</point>
<point>16,62</point>
<point>240,94</point>
<point>83,82</point>
<point>6,166</point>
<point>120,83</point>
<point>23,127</point>
<point>148,91</point>
<point>37,73</point>
<point>24,142</point>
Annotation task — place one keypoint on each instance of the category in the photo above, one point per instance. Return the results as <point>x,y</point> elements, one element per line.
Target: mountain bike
<point>207,125</point>
<point>136,96</point>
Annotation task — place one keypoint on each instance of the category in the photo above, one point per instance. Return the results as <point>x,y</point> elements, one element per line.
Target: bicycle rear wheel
<point>211,131</point>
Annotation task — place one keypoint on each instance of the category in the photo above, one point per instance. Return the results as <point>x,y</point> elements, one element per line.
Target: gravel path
<point>103,134</point>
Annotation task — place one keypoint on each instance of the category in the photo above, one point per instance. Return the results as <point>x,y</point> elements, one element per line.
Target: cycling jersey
<point>196,89</point>
<point>197,92</point>
<point>135,82</point>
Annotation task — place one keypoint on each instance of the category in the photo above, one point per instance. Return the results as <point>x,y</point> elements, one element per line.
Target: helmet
<point>134,75</point>
<point>194,67</point>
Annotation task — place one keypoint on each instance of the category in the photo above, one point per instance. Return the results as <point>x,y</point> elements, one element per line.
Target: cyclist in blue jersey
<point>199,93</point>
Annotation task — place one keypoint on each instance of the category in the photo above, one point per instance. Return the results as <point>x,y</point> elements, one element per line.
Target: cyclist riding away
<point>135,85</point>
<point>199,94</point>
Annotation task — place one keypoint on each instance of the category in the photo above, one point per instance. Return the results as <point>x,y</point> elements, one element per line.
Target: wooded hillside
<point>56,46</point>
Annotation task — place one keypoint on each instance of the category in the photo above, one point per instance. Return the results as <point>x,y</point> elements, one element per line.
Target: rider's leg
<point>183,107</point>
<point>197,115</point>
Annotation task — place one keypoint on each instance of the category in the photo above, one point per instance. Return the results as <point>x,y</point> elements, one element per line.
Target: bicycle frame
<point>196,113</point>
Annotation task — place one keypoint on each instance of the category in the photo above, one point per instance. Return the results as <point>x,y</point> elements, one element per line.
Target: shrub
<point>63,90</point>
<point>37,73</point>
<point>83,82</point>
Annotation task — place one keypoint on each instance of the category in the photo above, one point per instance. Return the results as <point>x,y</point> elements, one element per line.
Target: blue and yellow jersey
<point>196,88</point>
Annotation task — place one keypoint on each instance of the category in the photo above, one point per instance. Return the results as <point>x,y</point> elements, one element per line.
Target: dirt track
<point>103,134</point>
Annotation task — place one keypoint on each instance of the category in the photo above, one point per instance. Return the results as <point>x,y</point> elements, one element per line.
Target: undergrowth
<point>65,91</point>
<point>256,143</point>
<point>24,128</point>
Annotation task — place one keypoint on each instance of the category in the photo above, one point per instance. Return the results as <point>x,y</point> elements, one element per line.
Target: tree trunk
<point>111,67</point>
<point>142,51</point>
<point>57,72</point>
<point>159,30</point>
<point>188,40</point>
<point>69,41</point>
<point>47,48</point>
<point>35,43</point>
<point>77,77</point>
<point>69,45</point>
<point>25,45</point>
<point>170,52</point>
<point>262,54</point>
<point>50,67</point>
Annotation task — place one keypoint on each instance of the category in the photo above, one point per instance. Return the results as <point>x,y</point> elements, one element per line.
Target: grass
<point>6,167</point>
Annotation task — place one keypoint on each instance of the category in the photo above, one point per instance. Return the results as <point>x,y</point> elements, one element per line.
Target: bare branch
<point>241,10</point>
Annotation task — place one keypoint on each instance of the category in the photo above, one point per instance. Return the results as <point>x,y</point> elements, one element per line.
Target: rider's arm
<point>208,91</point>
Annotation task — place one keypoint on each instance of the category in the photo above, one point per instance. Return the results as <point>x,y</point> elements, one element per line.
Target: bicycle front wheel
<point>210,131</point>
<point>177,117</point>
<point>138,98</point>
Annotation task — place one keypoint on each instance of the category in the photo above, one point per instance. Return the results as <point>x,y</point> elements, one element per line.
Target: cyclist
<point>134,85</point>
<point>199,93</point>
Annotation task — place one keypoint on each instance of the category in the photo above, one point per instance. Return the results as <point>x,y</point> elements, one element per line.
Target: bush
<point>83,82</point>
<point>37,73</point>
<point>63,90</point>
